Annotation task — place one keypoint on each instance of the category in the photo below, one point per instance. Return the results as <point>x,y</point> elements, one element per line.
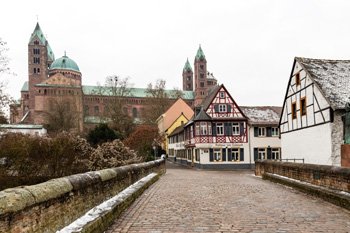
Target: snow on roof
<point>262,114</point>
<point>332,76</point>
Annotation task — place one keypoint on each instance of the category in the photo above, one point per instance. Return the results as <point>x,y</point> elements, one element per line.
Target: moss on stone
<point>50,189</point>
<point>15,199</point>
<point>107,174</point>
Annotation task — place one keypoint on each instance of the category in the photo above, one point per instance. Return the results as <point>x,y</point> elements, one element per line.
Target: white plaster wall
<point>263,141</point>
<point>314,144</point>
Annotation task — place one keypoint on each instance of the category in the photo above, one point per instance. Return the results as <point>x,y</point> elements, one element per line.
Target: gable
<point>181,120</point>
<point>60,80</point>
<point>222,105</point>
<point>304,104</point>
<point>175,110</point>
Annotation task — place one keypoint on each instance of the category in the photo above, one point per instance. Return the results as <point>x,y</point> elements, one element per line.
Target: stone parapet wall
<point>49,206</point>
<point>331,177</point>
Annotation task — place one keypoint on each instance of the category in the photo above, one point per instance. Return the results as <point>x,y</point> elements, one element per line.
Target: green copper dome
<point>64,63</point>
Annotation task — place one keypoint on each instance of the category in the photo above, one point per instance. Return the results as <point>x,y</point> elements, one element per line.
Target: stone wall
<point>337,137</point>
<point>331,177</point>
<point>49,206</point>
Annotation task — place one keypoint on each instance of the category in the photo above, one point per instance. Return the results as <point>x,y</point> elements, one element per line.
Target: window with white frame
<point>222,95</point>
<point>217,154</point>
<point>219,128</point>
<point>275,153</point>
<point>197,129</point>
<point>262,132</point>
<point>235,154</point>
<point>274,132</point>
<point>222,107</point>
<point>203,128</point>
<point>261,153</point>
<point>235,129</point>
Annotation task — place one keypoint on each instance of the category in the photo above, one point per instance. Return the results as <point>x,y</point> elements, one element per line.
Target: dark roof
<point>332,77</point>
<point>177,130</point>
<point>262,115</point>
<point>202,116</point>
<point>212,92</point>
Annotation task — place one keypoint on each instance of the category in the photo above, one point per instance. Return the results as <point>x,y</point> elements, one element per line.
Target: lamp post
<point>154,146</point>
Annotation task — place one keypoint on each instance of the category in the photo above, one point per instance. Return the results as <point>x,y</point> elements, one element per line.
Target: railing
<point>294,160</point>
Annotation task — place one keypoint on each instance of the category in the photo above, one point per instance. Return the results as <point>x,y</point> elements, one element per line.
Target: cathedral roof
<point>38,34</point>
<point>134,92</point>
<point>64,63</point>
<point>200,54</point>
<point>187,66</point>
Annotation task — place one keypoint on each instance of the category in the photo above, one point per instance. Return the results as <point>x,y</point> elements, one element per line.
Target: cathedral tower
<point>187,77</point>
<point>200,73</point>
<point>40,57</point>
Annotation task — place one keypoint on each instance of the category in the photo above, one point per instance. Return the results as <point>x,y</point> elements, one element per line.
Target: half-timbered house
<point>311,122</point>
<point>217,136</point>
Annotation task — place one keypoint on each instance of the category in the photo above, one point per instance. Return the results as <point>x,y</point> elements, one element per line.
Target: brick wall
<point>327,176</point>
<point>49,206</point>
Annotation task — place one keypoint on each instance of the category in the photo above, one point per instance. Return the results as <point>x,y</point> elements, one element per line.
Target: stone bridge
<point>187,200</point>
<point>182,200</point>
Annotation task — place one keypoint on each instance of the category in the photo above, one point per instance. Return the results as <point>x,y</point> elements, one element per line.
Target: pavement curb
<point>333,196</point>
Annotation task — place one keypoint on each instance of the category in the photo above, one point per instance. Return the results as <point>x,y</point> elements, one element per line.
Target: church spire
<point>187,66</point>
<point>200,55</point>
<point>37,35</point>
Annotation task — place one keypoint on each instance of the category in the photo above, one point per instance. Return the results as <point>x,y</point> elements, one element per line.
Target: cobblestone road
<point>186,200</point>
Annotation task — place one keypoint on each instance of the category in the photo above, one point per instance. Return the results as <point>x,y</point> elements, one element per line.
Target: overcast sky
<point>249,44</point>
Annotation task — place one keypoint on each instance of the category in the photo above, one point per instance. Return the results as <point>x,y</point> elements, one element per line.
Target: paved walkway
<point>186,200</point>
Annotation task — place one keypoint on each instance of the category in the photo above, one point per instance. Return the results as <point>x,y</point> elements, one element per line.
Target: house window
<point>197,129</point>
<point>36,60</point>
<point>235,129</point>
<point>261,153</point>
<point>219,128</point>
<point>274,131</point>
<point>235,154</point>
<point>262,132</point>
<point>297,79</point>
<point>203,128</point>
<point>275,153</point>
<point>222,95</point>
<point>217,154</point>
<point>294,110</point>
<point>201,84</point>
<point>303,106</point>
<point>222,107</point>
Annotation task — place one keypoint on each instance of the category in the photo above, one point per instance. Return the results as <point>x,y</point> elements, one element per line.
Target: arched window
<point>134,112</point>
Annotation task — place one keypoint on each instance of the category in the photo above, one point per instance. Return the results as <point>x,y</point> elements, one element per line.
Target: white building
<point>23,128</point>
<point>311,122</point>
<point>264,140</point>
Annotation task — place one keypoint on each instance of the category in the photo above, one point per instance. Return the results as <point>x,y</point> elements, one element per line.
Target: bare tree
<point>63,115</point>
<point>5,98</point>
<point>117,90</point>
<point>159,100</point>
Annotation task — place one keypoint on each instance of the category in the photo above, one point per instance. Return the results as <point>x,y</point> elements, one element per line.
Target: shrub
<point>100,134</point>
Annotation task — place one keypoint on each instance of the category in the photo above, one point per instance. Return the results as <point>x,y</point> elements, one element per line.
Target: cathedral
<point>54,82</point>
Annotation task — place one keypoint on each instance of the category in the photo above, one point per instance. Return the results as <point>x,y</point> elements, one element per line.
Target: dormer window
<point>222,95</point>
